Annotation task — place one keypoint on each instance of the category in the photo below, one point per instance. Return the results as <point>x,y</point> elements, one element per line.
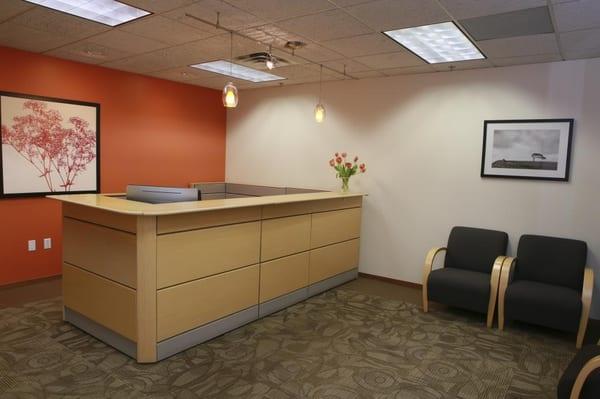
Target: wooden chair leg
<point>586,302</point>
<point>425,300</point>
<point>505,273</point>
<point>494,282</point>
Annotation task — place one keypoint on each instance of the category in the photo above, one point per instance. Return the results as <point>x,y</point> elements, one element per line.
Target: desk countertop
<point>124,206</point>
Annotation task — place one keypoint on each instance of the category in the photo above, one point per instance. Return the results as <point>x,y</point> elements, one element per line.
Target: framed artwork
<point>527,149</point>
<point>49,146</point>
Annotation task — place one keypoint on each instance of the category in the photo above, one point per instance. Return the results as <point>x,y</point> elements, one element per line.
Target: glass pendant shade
<point>230,95</point>
<point>319,113</point>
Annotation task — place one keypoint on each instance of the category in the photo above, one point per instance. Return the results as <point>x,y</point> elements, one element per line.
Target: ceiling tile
<point>351,66</point>
<point>347,3</point>
<point>408,70</point>
<point>461,9</point>
<point>368,74</point>
<point>317,53</point>
<point>455,66</point>
<point>274,10</point>
<point>143,63</point>
<point>328,25</point>
<point>532,21</point>
<point>182,74</point>
<point>164,30</point>
<point>356,46</point>
<point>306,71</point>
<point>386,15</point>
<point>88,52</point>
<point>582,14</point>
<point>10,8</point>
<point>390,60</point>
<point>528,59</point>
<point>158,6</point>
<point>519,46</point>
<point>581,44</point>
<point>229,16</point>
<point>126,42</point>
<point>26,38</point>
<point>54,22</point>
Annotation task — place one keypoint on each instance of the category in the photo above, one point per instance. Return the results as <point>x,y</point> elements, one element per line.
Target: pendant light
<point>230,92</point>
<point>320,109</point>
<point>271,61</point>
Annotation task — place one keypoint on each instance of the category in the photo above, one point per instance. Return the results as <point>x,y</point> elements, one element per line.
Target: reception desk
<point>155,279</point>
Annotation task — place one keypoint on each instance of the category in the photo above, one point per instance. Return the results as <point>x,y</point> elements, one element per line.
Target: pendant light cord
<point>320,82</point>
<point>231,53</point>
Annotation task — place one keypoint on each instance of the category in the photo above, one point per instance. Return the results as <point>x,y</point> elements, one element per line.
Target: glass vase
<point>345,186</point>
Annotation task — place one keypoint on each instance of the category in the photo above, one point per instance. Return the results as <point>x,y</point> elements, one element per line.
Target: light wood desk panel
<point>182,222</point>
<point>334,259</point>
<point>101,250</point>
<point>99,216</point>
<point>334,226</point>
<point>285,236</point>
<point>104,301</point>
<point>198,302</point>
<point>283,275</point>
<point>190,255</point>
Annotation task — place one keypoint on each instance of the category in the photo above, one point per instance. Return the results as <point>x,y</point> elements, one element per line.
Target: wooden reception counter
<point>153,280</point>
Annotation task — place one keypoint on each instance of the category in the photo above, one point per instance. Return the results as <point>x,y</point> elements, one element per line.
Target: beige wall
<point>421,137</point>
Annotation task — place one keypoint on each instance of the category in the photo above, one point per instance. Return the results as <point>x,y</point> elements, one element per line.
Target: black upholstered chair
<point>547,284</point>
<point>581,379</point>
<point>471,272</point>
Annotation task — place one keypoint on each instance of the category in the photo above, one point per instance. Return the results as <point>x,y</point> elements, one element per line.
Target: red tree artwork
<point>58,152</point>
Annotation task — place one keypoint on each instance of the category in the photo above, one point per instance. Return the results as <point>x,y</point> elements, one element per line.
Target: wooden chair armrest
<point>429,259</point>
<point>506,275</point>
<point>586,301</point>
<point>588,368</point>
<point>494,282</point>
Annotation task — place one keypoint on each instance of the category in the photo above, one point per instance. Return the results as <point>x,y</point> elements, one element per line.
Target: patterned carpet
<point>340,344</point>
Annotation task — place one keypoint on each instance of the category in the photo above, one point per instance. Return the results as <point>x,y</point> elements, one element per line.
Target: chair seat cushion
<point>461,288</point>
<point>543,304</point>
<point>591,387</point>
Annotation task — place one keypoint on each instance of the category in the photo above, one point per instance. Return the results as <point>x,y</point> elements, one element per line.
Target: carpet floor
<point>340,344</point>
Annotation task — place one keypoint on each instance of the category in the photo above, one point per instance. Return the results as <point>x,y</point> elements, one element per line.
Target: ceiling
<point>340,34</point>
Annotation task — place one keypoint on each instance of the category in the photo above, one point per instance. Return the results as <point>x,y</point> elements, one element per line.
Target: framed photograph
<point>49,146</point>
<point>527,149</point>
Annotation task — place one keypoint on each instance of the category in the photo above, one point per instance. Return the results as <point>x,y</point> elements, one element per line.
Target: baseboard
<point>391,280</point>
<point>30,282</point>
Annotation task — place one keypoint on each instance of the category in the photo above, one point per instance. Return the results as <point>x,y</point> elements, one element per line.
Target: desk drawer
<point>190,305</point>
<point>283,275</point>
<point>190,255</point>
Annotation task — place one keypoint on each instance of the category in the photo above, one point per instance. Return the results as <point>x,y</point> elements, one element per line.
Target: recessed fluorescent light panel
<point>237,71</point>
<point>108,12</point>
<point>437,43</point>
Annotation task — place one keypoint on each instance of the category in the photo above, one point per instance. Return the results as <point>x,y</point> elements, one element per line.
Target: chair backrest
<point>551,260</point>
<point>474,249</point>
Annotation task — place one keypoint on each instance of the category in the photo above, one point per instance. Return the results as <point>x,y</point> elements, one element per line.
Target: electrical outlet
<point>47,243</point>
<point>31,245</point>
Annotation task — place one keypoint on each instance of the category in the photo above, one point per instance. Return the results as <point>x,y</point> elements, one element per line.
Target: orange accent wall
<point>152,131</point>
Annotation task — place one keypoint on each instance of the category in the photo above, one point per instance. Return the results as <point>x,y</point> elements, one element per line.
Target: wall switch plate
<point>31,245</point>
<point>47,243</point>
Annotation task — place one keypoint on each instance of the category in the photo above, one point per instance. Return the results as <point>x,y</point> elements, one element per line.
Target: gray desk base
<point>201,334</point>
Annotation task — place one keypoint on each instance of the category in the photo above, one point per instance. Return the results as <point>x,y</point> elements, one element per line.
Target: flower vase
<point>345,181</point>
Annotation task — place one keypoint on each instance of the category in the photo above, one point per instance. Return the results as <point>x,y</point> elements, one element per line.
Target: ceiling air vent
<point>258,60</point>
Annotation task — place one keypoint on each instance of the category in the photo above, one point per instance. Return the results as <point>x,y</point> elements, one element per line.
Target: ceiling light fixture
<point>437,43</point>
<point>320,109</point>
<point>242,72</point>
<point>230,92</point>
<point>107,12</point>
